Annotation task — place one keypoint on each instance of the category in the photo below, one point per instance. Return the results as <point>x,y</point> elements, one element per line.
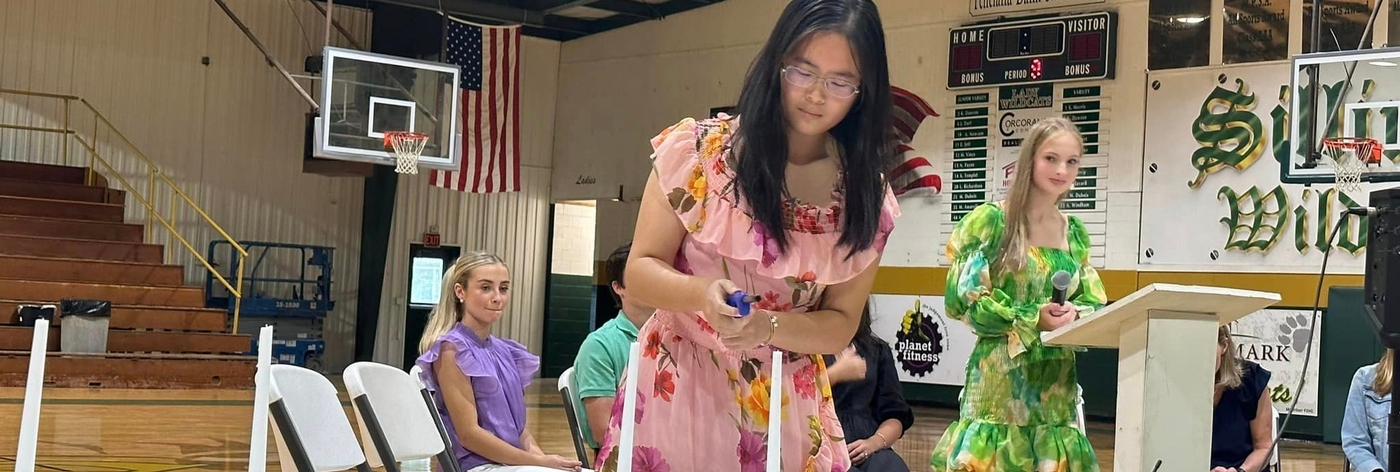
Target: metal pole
<point>330,13</point>
<point>87,178</point>
<point>169,243</point>
<point>343,32</point>
<point>238,297</point>
<point>270,60</point>
<point>151,209</point>
<point>1310,138</point>
<point>66,131</point>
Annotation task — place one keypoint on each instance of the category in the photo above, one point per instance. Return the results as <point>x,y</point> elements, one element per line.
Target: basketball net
<point>407,147</point>
<point>1350,157</point>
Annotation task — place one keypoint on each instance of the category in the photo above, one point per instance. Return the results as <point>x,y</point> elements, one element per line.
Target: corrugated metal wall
<point>515,226</point>
<point>229,133</point>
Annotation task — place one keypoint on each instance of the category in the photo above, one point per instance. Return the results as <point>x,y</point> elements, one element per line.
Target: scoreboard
<point>1073,47</point>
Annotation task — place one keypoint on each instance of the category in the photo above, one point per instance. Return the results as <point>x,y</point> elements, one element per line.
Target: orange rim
<point>1368,150</point>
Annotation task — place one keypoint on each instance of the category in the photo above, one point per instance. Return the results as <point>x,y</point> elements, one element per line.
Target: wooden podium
<point>1165,335</point>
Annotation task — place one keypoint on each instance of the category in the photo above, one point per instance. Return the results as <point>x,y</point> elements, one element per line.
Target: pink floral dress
<point>700,406</point>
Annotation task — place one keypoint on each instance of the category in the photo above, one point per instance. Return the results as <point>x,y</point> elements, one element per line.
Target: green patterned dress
<point>1018,408</point>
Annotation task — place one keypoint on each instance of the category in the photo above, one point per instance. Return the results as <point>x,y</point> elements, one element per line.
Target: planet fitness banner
<point>929,347</point>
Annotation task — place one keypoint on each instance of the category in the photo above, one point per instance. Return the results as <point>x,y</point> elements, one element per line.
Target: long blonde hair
<point>1230,373</point>
<point>1012,254</point>
<point>1383,368</point>
<point>449,309</point>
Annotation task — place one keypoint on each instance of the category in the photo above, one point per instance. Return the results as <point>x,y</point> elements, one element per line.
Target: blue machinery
<point>288,287</point>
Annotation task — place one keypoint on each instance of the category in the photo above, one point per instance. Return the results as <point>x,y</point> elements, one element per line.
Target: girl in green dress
<point>1018,408</point>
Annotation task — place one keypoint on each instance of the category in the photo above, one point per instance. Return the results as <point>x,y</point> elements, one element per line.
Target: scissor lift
<point>288,287</point>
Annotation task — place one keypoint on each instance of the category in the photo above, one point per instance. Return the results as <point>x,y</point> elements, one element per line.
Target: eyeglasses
<point>835,87</point>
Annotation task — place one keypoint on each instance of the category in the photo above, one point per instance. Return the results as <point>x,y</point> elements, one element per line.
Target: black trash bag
<point>29,314</point>
<point>93,308</point>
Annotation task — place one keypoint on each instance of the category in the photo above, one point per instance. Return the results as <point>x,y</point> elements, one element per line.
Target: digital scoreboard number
<point>1063,48</point>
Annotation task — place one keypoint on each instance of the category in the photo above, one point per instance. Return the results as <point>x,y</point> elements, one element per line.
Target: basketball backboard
<point>364,95</point>
<point>1367,106</point>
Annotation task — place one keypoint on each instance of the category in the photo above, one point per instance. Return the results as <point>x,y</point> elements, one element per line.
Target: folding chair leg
<point>290,437</point>
<point>447,458</point>
<point>376,434</point>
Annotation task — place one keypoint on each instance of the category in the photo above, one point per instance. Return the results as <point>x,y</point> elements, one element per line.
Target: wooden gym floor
<point>103,430</point>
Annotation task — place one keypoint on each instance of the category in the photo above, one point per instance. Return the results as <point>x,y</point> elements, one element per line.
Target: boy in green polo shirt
<point>603,356</point>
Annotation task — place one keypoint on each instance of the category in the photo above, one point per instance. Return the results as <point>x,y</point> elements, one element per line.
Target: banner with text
<point>928,346</point>
<point>1212,198</point>
<point>989,7</point>
<point>1277,340</point>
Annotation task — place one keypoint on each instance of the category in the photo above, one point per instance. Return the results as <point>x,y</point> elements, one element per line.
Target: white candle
<point>629,409</point>
<point>33,392</point>
<point>775,415</point>
<point>257,445</point>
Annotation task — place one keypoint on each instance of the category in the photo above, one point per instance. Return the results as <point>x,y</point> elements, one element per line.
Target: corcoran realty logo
<point>921,339</point>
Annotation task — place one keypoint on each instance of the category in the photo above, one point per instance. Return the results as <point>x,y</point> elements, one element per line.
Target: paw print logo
<point>1295,332</point>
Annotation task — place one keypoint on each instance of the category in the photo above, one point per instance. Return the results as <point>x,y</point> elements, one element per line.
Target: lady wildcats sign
<point>1212,198</point>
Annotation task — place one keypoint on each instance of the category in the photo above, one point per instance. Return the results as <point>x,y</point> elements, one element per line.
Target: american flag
<point>912,171</point>
<point>490,150</point>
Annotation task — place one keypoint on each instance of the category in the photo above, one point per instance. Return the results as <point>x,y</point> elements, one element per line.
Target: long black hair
<point>865,340</point>
<point>762,147</point>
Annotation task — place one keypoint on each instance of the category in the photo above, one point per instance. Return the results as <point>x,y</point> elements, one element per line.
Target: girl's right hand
<point>717,311</point>
<point>555,462</point>
<point>1053,316</point>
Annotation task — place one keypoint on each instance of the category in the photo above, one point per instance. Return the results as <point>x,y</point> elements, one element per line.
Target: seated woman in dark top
<point>869,401</point>
<point>1244,424</point>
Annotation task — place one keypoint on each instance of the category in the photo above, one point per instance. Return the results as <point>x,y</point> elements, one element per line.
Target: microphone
<point>1060,281</point>
<point>1361,211</point>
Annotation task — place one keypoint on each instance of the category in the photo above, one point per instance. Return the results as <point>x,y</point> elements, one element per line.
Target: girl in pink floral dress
<point>791,206</point>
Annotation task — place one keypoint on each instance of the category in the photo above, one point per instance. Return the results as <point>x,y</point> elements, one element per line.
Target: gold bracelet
<point>885,439</point>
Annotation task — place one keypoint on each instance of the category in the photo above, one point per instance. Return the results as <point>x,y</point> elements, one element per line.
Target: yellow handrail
<point>147,199</point>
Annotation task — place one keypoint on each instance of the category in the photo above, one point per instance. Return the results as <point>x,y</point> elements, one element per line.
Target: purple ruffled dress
<point>499,370</point>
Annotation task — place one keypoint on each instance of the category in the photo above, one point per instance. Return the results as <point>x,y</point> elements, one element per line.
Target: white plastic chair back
<point>1079,414</point>
<point>26,455</point>
<point>566,380</point>
<point>569,395</point>
<point>448,459</point>
<point>389,398</point>
<point>1274,462</point>
<point>314,414</point>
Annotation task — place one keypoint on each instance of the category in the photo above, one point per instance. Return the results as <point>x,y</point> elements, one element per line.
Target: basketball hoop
<point>407,147</point>
<point>1350,158</point>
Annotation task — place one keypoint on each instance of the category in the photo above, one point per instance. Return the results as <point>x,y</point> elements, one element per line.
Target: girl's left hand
<point>861,449</point>
<point>747,332</point>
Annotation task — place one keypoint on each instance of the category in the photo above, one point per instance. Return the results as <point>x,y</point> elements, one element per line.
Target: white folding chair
<point>309,424</point>
<point>395,425</point>
<point>1274,462</point>
<point>449,458</point>
<point>567,395</point>
<point>33,397</point>
<point>1079,405</point>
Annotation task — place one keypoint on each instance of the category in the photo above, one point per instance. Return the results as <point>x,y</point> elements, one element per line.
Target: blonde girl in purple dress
<point>478,380</point>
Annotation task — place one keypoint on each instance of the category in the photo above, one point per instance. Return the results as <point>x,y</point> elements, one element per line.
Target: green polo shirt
<point>601,361</point>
